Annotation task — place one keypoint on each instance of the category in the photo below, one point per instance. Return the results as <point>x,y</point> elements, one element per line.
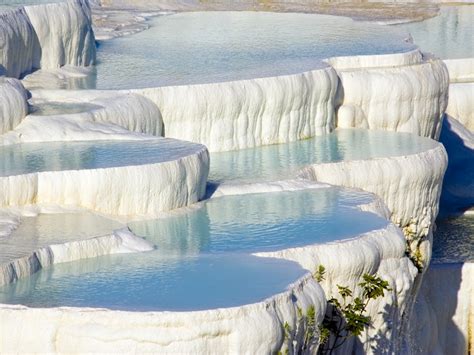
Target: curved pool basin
<point>25,158</point>
<point>206,47</point>
<point>43,230</point>
<point>282,161</point>
<point>208,248</point>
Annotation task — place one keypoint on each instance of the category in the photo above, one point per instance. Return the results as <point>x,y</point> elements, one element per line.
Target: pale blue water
<point>449,35</point>
<point>281,161</point>
<point>204,47</point>
<point>262,222</point>
<point>56,156</point>
<point>202,257</point>
<point>55,228</point>
<point>145,283</point>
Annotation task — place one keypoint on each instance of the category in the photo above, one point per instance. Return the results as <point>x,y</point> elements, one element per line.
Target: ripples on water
<point>453,240</point>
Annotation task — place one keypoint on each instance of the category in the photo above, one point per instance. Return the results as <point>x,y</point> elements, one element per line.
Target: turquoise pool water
<point>55,228</point>
<point>202,258</point>
<point>282,161</point>
<point>448,35</point>
<point>205,47</point>
<point>27,158</point>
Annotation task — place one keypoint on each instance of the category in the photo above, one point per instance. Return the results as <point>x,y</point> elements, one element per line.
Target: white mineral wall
<point>13,104</point>
<point>254,328</point>
<point>461,103</point>
<point>409,98</point>
<point>64,34</point>
<point>121,241</point>
<point>409,185</point>
<point>46,36</point>
<point>115,116</point>
<point>460,70</point>
<point>17,42</point>
<point>129,190</point>
<point>249,113</point>
<point>381,252</point>
<point>376,61</point>
<point>443,317</point>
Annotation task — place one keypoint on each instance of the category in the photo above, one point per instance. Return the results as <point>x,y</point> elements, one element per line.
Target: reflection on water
<point>56,156</point>
<point>282,161</point>
<point>449,35</point>
<point>48,229</point>
<point>146,283</point>
<point>258,222</point>
<point>206,249</point>
<point>204,47</point>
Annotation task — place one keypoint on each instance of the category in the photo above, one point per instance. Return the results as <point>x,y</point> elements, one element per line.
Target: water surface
<point>282,161</point>
<point>453,241</point>
<point>44,230</point>
<point>203,258</point>
<point>448,35</point>
<point>205,47</point>
<point>27,158</point>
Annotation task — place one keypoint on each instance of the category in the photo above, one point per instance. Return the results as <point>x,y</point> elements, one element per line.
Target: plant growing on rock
<point>348,317</point>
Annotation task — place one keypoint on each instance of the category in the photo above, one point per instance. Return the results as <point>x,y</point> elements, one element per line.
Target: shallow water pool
<point>27,158</point>
<point>282,161</point>
<point>203,258</point>
<point>44,230</point>
<point>448,35</point>
<point>205,47</point>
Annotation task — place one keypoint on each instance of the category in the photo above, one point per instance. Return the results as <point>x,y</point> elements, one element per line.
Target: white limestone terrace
<point>87,115</point>
<point>231,107</point>
<point>46,36</point>
<point>13,103</point>
<point>121,178</point>
<point>383,248</point>
<point>35,237</point>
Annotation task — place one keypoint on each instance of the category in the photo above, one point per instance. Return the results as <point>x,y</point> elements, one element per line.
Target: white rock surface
<point>381,252</point>
<point>410,186</point>
<point>461,103</point>
<point>17,43</point>
<point>130,190</point>
<point>376,61</point>
<point>460,70</point>
<point>115,116</point>
<point>121,241</point>
<point>13,104</point>
<point>409,98</point>
<point>444,313</point>
<point>46,36</point>
<point>249,113</point>
<point>255,328</point>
